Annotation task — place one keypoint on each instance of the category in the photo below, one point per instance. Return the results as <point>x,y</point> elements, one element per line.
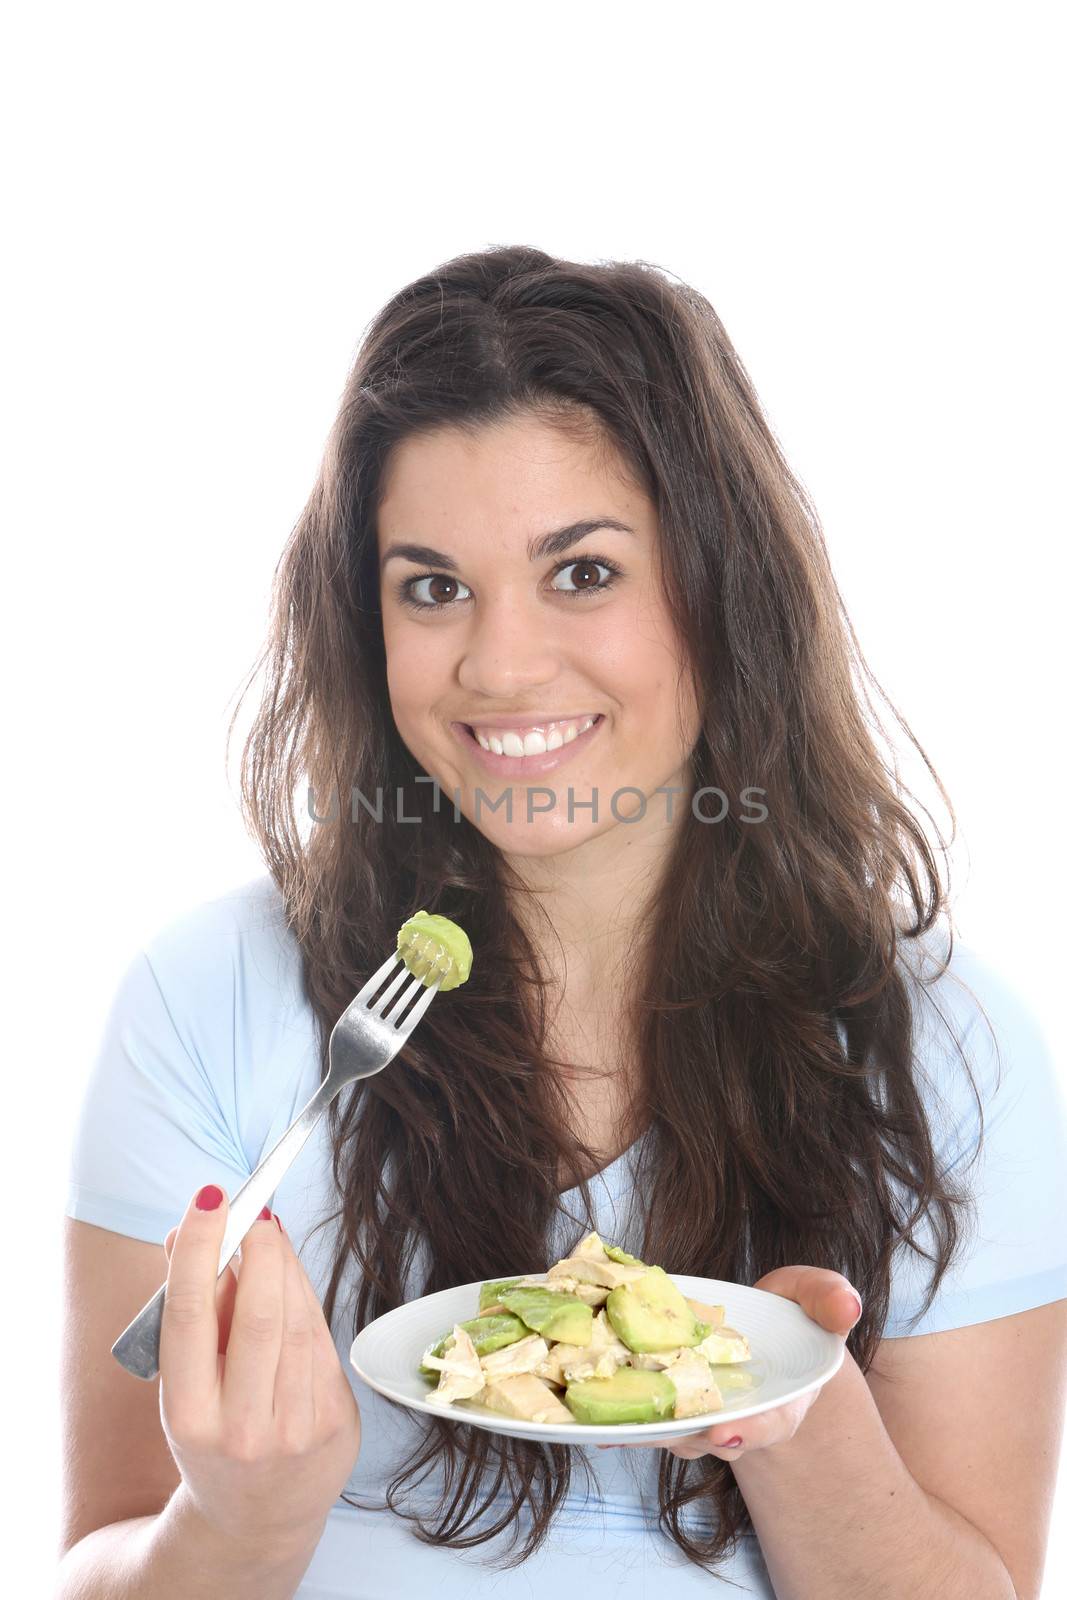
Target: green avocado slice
<point>433,947</point>
<point>617,1253</point>
<point>489,1294</point>
<point>552,1314</point>
<point>487,1334</point>
<point>628,1396</point>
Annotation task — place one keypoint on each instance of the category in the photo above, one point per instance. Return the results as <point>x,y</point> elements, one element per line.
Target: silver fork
<point>362,1042</point>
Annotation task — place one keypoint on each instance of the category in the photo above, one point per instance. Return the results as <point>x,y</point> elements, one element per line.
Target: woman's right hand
<point>259,1416</point>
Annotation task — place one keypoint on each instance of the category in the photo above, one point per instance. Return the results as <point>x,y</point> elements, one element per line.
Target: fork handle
<point>137,1347</point>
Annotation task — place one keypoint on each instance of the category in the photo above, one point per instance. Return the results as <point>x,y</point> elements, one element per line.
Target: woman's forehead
<point>513,484</point>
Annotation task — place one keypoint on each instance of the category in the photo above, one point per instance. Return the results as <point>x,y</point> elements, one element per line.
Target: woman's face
<point>517,642</point>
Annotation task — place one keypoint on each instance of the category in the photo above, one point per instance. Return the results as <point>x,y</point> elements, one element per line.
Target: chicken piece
<point>605,1341</point>
<point>694,1384</point>
<point>655,1360</point>
<point>461,1371</point>
<point>714,1316</point>
<point>607,1274</point>
<point>568,1363</point>
<point>525,1397</point>
<point>594,1294</point>
<point>591,1248</point>
<point>600,1358</point>
<point>723,1346</point>
<point>522,1356</point>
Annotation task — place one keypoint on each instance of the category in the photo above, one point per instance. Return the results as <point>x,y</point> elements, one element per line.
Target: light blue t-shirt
<point>210,1050</point>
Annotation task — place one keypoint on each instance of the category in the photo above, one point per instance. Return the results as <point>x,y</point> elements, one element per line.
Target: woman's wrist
<point>276,1550</point>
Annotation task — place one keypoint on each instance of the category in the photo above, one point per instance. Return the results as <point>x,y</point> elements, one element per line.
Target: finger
<point>225,1296</point>
<point>189,1335</point>
<point>327,1363</point>
<point>730,1439</point>
<point>323,1336</point>
<point>225,1289</point>
<point>689,1445</point>
<point>294,1403</point>
<point>826,1297</point>
<point>255,1336</point>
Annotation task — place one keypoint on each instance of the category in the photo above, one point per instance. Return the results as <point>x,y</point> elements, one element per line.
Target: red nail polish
<point>264,1215</point>
<point>209,1198</point>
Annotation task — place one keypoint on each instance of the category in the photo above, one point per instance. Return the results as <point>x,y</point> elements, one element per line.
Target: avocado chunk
<point>486,1334</point>
<point>432,947</point>
<point>489,1294</point>
<point>618,1254</point>
<point>627,1396</point>
<point>652,1314</point>
<point>555,1316</point>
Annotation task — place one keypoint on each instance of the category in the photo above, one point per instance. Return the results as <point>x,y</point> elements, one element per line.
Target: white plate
<point>791,1355</point>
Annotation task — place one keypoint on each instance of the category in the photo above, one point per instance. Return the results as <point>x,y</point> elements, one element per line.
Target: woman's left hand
<point>828,1299</point>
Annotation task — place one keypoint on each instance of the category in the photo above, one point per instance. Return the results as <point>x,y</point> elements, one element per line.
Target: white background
<point>206,204</point>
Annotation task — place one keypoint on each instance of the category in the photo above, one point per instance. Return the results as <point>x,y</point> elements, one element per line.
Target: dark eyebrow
<point>550,544</point>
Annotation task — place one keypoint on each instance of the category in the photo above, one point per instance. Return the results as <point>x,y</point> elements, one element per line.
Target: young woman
<point>558,651</point>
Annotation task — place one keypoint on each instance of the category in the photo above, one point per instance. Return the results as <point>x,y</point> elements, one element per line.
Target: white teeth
<point>509,742</point>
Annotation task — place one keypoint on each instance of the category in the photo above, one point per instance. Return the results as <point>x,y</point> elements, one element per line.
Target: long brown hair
<point>774,1028</point>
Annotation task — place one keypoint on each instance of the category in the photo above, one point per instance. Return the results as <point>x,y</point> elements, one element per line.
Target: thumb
<point>826,1297</point>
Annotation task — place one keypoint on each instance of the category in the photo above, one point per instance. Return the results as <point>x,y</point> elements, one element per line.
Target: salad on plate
<point>601,1338</point>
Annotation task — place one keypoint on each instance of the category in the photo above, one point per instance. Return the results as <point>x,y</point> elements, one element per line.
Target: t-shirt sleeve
<point>157,1118</point>
<point>1013,1252</point>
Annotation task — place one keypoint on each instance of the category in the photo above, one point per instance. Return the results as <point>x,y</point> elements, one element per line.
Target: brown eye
<point>435,600</point>
<point>586,580</point>
<point>447,584</point>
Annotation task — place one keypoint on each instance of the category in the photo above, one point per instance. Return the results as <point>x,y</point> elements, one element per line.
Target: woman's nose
<point>506,650</point>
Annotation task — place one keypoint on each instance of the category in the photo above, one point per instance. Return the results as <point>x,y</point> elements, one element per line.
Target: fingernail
<point>264,1215</point>
<point>278,1220</point>
<point>858,1303</point>
<point>209,1198</point>
<point>732,1444</point>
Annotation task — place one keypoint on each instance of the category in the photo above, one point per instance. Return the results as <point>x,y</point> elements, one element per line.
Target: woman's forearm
<point>175,1555</point>
<point>839,1516</point>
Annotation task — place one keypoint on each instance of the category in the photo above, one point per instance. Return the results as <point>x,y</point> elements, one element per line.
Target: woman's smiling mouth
<point>544,746</point>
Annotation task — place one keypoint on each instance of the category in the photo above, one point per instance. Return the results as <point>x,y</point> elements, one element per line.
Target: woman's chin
<point>538,839</point>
